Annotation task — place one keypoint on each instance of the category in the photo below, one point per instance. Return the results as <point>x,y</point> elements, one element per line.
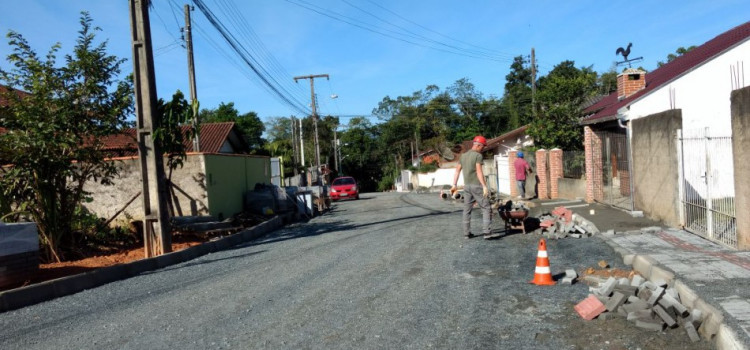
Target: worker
<point>522,168</point>
<point>475,188</point>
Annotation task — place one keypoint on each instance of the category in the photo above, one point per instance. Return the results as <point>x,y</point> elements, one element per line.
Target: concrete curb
<point>48,290</point>
<point>713,326</point>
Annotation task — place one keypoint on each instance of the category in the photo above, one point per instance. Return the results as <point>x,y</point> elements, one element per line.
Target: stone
<point>615,301</point>
<point>651,325</point>
<point>637,280</point>
<point>665,316</point>
<point>691,332</point>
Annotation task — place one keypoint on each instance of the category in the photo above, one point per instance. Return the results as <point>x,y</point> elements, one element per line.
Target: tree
<point>561,96</point>
<point>172,116</point>
<point>677,53</point>
<point>517,96</point>
<point>53,138</point>
<point>251,126</point>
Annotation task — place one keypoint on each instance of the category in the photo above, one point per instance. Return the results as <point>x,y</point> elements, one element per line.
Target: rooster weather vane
<point>625,53</point>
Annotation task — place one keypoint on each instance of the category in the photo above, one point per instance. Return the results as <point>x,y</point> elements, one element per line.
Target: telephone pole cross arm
<point>314,115</point>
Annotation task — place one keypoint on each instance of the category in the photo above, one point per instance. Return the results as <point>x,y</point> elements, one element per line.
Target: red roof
<point>4,89</point>
<point>608,106</point>
<point>212,138</point>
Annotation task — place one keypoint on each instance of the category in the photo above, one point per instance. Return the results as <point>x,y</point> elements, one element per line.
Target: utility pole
<point>533,83</point>
<point>191,74</point>
<point>156,232</point>
<point>302,151</point>
<point>335,151</point>
<point>295,156</point>
<point>315,117</point>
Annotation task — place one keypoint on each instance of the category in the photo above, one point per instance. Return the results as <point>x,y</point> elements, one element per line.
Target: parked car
<point>344,187</point>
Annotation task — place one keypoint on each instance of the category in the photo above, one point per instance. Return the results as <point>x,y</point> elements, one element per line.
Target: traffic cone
<point>542,275</point>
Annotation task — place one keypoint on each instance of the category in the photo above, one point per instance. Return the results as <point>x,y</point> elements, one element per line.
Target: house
<point>504,148</point>
<point>212,182</point>
<point>661,143</point>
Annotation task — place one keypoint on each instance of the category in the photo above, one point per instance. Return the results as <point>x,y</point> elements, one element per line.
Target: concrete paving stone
<point>25,296</point>
<point>604,316</point>
<point>567,280</point>
<point>637,280</point>
<point>655,296</point>
<point>673,293</point>
<point>696,317</point>
<point>622,312</point>
<point>571,273</point>
<point>673,302</point>
<point>645,294</point>
<point>627,290</point>
<point>649,324</point>
<point>665,316</point>
<point>627,258</point>
<point>623,281</point>
<point>691,332</point>
<point>637,306</point>
<point>633,299</point>
<point>635,315</point>
<point>615,301</point>
<point>609,232</point>
<point>608,287</point>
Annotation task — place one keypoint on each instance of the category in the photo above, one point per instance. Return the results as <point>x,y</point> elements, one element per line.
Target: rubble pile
<point>649,305</point>
<point>562,222</point>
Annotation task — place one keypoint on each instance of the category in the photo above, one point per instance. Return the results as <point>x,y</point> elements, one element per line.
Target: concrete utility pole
<point>191,74</point>
<point>533,83</point>
<point>335,151</point>
<point>315,117</point>
<point>156,231</point>
<point>295,157</point>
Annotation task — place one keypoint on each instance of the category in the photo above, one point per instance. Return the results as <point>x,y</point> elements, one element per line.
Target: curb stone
<point>713,326</point>
<point>36,293</point>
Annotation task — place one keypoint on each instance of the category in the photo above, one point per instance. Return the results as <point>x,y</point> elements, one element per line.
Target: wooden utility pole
<point>533,83</point>
<point>156,232</point>
<point>191,74</point>
<point>315,117</point>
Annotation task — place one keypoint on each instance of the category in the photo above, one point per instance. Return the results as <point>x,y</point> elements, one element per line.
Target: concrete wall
<point>207,184</point>
<point>19,252</point>
<point>655,165</point>
<point>571,188</point>
<point>740,143</point>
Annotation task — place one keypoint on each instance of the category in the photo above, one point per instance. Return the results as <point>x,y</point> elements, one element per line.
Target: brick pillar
<point>512,171</point>
<point>555,172</point>
<point>541,172</point>
<point>594,165</point>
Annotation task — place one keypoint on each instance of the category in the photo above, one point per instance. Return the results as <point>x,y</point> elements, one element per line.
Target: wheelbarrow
<point>514,219</point>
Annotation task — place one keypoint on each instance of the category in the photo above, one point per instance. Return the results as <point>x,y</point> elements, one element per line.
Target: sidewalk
<point>708,276</point>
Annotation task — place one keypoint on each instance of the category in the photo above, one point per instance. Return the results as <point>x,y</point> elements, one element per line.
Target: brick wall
<point>629,82</point>
<point>555,172</point>
<point>541,171</point>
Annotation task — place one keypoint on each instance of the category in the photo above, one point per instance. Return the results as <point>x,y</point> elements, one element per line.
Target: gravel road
<point>390,270</point>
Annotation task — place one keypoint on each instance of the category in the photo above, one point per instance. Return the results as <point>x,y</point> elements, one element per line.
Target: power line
<point>368,27</point>
<point>269,81</point>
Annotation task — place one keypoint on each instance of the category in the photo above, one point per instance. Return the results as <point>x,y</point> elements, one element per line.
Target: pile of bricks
<point>650,305</point>
<point>561,223</point>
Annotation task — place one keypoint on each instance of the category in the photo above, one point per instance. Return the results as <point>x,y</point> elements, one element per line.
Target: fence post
<point>594,165</point>
<point>512,171</point>
<point>541,171</point>
<point>555,171</point>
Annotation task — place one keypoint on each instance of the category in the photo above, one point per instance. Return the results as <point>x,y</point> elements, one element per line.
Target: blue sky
<point>366,65</point>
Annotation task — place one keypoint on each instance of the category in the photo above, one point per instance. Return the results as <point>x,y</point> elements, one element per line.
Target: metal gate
<point>612,183</point>
<point>707,185</point>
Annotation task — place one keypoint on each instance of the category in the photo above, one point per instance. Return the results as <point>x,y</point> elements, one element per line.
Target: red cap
<point>480,139</point>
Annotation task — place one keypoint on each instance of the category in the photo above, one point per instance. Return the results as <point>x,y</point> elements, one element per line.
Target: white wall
<point>702,94</point>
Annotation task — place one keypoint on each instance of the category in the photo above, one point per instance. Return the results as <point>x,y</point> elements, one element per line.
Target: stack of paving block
<point>649,305</point>
<point>561,222</point>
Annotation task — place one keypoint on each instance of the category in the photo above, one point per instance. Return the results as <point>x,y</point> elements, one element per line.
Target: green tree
<point>53,138</point>
<point>251,126</point>
<point>517,96</point>
<point>561,96</point>
<point>172,116</point>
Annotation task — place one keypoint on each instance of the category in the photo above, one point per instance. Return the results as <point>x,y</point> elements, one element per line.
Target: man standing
<point>522,168</point>
<point>475,188</point>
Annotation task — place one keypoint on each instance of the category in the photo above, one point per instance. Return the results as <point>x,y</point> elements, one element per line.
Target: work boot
<point>469,235</point>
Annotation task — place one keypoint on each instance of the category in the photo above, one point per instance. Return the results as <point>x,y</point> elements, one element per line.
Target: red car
<point>344,187</point>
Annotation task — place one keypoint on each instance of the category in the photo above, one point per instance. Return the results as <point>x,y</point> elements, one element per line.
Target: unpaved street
<point>389,271</point>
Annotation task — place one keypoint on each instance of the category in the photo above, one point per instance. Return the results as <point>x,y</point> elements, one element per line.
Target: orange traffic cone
<point>542,275</point>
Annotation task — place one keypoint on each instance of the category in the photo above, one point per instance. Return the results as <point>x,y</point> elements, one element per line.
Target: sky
<point>370,49</point>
